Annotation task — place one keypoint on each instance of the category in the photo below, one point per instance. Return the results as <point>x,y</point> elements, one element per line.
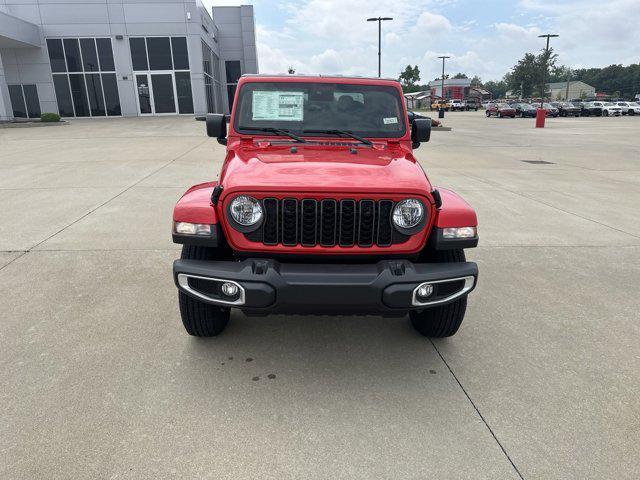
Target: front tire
<point>201,319</point>
<point>443,321</point>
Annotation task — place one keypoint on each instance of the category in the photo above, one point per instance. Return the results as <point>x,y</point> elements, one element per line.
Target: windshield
<point>633,104</point>
<point>548,105</point>
<point>365,110</point>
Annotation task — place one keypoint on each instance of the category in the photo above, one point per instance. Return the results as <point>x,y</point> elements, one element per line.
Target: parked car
<point>610,108</point>
<point>589,109</point>
<point>458,105</point>
<point>438,104</point>
<point>629,108</point>
<point>472,104</point>
<point>550,110</point>
<point>524,110</point>
<point>332,215</point>
<point>567,109</point>
<point>500,110</point>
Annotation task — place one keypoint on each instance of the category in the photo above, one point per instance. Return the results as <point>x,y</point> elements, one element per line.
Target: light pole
<point>441,109</point>
<point>379,20</point>
<point>544,72</point>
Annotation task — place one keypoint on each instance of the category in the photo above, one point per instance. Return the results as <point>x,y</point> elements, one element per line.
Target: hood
<point>321,168</point>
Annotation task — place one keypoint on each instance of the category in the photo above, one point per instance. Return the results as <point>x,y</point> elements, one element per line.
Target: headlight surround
<point>245,212</point>
<point>409,215</point>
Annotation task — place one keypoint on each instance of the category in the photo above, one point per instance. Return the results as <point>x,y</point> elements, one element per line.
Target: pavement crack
<point>475,407</point>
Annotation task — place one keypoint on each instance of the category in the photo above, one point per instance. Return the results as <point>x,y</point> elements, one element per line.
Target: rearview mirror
<point>420,131</point>
<point>217,127</point>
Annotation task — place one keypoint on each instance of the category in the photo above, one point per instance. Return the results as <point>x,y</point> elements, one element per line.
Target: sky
<point>484,38</point>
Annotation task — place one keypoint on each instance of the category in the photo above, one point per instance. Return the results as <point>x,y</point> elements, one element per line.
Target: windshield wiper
<point>277,131</point>
<point>341,132</point>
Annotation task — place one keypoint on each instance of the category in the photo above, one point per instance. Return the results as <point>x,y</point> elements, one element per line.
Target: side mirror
<point>420,131</point>
<point>217,127</point>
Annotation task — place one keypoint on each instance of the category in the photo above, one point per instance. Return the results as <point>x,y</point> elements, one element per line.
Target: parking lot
<point>99,379</point>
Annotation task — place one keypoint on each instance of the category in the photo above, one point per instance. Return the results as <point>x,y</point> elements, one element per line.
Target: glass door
<point>144,94</point>
<point>164,97</point>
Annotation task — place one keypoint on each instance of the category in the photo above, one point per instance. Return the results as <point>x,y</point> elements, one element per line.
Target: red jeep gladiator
<point>322,208</point>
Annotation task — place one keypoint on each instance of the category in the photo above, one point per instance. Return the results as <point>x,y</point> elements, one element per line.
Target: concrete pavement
<point>99,379</point>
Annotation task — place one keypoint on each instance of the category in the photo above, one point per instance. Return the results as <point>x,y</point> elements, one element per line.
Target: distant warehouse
<point>575,89</point>
<point>99,58</point>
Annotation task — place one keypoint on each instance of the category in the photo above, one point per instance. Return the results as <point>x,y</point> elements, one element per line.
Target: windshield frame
<point>291,82</point>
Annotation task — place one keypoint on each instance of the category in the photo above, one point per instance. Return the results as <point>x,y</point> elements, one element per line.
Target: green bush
<point>49,117</point>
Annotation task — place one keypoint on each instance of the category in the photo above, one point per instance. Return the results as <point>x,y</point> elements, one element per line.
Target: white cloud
<point>433,24</point>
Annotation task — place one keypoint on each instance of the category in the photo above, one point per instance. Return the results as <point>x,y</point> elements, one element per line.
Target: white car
<point>629,108</point>
<point>458,105</point>
<point>609,108</point>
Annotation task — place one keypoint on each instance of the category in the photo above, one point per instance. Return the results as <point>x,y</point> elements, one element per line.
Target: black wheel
<point>487,113</point>
<point>201,319</point>
<point>605,113</point>
<point>443,321</point>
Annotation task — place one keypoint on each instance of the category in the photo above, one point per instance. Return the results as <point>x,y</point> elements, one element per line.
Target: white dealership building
<point>89,58</point>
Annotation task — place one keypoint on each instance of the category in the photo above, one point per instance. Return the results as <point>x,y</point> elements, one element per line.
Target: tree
<point>476,81</point>
<point>409,77</point>
<point>460,75</point>
<point>497,89</point>
<point>525,78</point>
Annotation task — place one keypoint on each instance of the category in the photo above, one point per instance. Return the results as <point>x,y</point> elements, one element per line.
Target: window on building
<point>212,84</point>
<point>162,72</point>
<point>180,53</point>
<point>233,71</point>
<point>24,101</point>
<point>159,51</point>
<point>105,53</point>
<point>84,77</point>
<point>138,48</point>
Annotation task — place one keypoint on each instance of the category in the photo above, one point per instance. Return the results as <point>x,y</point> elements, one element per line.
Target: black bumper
<point>268,286</point>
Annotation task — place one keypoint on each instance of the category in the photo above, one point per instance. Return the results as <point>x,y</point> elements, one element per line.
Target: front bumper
<point>265,286</point>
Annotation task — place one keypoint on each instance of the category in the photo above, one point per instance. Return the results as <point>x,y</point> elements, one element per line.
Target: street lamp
<point>544,72</point>
<point>441,109</point>
<point>379,20</point>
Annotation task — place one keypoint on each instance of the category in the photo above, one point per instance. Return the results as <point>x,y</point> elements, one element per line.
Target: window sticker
<point>390,120</point>
<point>277,105</point>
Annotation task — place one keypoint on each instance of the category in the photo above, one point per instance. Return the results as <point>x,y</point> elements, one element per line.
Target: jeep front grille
<point>327,222</point>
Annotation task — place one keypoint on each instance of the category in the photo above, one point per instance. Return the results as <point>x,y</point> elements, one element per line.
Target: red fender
<point>195,205</point>
<point>455,212</point>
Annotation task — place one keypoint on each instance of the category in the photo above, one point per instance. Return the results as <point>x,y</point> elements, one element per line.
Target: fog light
<point>229,289</point>
<point>425,290</point>
<point>185,228</point>
<point>460,232</point>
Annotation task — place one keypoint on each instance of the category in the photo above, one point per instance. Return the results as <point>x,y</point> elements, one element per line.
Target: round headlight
<point>408,213</point>
<point>245,210</point>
